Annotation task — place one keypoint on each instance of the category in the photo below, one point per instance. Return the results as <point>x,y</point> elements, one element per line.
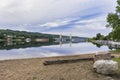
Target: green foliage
<point>24,34</point>
<point>1,36</point>
<point>33,35</point>
<point>118,7</point>
<point>99,36</point>
<point>116,34</point>
<point>115,51</point>
<point>34,78</point>
<point>117,60</point>
<point>97,45</point>
<point>113,20</point>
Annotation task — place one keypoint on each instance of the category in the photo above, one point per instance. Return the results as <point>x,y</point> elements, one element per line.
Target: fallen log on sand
<point>66,61</point>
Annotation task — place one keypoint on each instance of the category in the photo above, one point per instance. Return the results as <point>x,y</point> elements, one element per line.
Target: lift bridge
<point>65,40</point>
<point>61,38</point>
<point>69,39</point>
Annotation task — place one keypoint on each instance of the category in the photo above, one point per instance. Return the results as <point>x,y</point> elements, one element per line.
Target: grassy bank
<point>118,60</point>
<point>115,51</point>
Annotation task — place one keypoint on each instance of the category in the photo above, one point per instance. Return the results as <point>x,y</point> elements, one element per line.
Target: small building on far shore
<point>9,38</point>
<point>28,40</point>
<point>42,40</point>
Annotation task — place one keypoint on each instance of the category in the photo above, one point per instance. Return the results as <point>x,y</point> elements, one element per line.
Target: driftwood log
<point>66,61</point>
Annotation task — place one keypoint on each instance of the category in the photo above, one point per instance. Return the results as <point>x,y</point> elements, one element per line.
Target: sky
<point>84,18</point>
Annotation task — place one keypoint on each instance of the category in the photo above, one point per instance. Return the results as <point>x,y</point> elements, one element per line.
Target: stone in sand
<point>105,66</point>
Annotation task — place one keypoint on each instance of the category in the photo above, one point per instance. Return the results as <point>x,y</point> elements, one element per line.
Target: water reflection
<point>34,49</point>
<point>97,45</point>
<point>17,45</point>
<point>106,43</point>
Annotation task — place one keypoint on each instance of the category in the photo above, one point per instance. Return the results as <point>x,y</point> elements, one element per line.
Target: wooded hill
<point>32,35</point>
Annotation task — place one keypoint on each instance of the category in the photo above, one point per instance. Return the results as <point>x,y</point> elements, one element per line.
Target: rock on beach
<point>105,66</point>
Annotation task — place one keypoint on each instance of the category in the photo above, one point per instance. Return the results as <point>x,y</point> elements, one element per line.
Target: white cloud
<point>97,19</point>
<point>32,11</point>
<point>45,14</point>
<point>89,28</point>
<point>97,23</point>
<point>56,23</point>
<point>42,11</point>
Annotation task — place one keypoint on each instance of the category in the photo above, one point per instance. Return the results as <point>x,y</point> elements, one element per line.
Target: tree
<point>1,36</point>
<point>113,20</point>
<point>99,36</point>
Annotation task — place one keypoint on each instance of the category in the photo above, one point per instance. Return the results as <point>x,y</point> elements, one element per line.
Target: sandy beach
<point>33,69</point>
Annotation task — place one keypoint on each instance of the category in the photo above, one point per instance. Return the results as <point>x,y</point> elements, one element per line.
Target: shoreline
<point>33,69</point>
<point>74,55</point>
<point>54,57</point>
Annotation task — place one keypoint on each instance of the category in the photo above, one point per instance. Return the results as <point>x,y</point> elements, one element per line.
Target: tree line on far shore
<point>113,20</point>
<point>4,34</point>
<point>23,35</point>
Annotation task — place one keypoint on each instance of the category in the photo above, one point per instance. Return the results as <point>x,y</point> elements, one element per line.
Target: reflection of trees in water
<point>110,46</point>
<point>97,45</point>
<point>113,47</point>
<point>17,45</point>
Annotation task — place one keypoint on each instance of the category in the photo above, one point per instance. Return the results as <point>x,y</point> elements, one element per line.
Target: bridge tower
<point>70,40</point>
<point>60,40</point>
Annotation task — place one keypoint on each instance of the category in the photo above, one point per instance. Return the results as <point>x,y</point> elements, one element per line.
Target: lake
<point>22,51</point>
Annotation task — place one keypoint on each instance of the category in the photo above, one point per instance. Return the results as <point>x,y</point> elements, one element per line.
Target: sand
<point>33,69</point>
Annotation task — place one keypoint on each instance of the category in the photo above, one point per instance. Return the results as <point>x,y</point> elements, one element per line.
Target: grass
<point>118,60</point>
<point>34,78</point>
<point>115,51</point>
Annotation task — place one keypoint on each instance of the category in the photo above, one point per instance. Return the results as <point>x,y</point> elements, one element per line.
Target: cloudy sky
<point>78,17</point>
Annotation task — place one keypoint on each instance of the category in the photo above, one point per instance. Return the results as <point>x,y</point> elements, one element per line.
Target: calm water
<point>51,50</point>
